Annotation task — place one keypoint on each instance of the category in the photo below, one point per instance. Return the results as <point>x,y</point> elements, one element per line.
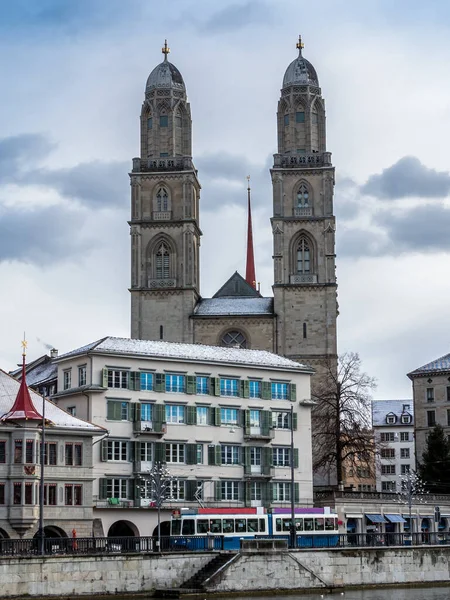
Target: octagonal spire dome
<point>300,71</point>
<point>165,75</point>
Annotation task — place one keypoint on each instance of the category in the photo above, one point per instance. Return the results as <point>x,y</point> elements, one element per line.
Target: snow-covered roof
<point>234,306</point>
<point>188,352</point>
<point>381,408</point>
<point>38,371</point>
<point>440,364</point>
<point>59,417</point>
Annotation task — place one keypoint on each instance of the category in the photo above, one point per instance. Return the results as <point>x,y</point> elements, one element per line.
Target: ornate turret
<point>23,407</point>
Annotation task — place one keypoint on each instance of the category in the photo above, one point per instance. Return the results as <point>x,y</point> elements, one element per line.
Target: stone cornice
<point>304,286</point>
<point>306,219</point>
<point>147,224</point>
<point>300,171</point>
<point>178,291</point>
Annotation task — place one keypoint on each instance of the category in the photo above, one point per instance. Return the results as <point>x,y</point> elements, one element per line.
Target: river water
<point>432,593</point>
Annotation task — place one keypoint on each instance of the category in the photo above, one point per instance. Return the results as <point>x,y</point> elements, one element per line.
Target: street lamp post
<point>42,480</point>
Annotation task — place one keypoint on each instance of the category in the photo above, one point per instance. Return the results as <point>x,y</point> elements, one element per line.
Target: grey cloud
<point>44,236</point>
<point>408,177</point>
<point>21,152</point>
<point>95,184</point>
<point>358,243</point>
<point>237,16</point>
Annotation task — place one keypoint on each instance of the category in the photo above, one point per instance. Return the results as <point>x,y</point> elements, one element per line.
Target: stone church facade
<point>299,321</point>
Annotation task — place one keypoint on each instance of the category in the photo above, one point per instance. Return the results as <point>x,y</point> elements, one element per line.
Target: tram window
<point>320,525</point>
<point>215,525</point>
<point>298,525</point>
<point>309,525</point>
<point>228,525</point>
<point>278,525</point>
<point>202,526</point>
<point>252,525</point>
<point>188,527</point>
<point>240,526</point>
<point>286,524</point>
<point>329,524</point>
<point>176,527</point>
<point>262,525</point>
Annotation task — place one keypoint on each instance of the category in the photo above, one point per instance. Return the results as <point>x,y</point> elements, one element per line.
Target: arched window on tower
<point>162,262</point>
<point>234,339</point>
<point>303,199</point>
<point>303,257</point>
<point>162,199</point>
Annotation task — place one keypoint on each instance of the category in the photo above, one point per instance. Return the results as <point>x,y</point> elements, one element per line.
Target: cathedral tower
<point>303,223</point>
<point>165,192</point>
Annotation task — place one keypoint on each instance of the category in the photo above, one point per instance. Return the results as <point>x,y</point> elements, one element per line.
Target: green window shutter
<point>293,392</point>
<point>247,493</point>
<point>191,454</point>
<point>218,451</point>
<point>131,451</point>
<point>266,494</point>
<point>247,421</point>
<point>191,415</point>
<point>246,454</point>
<point>296,458</point>
<point>211,455</point>
<point>190,487</point>
<point>294,421</point>
<point>240,388</point>
<point>160,382</point>
<point>158,416</point>
<point>217,418</point>
<point>160,452</point>
<point>131,411</point>
<point>134,381</point>
<point>113,410</point>
<point>137,450</point>
<point>218,490</point>
<point>102,488</point>
<point>266,421</point>
<point>190,384</point>
<point>105,378</point>
<point>296,493</point>
<point>266,390</point>
<point>267,457</point>
<point>110,410</point>
<point>216,381</point>
<point>246,388</point>
<point>104,450</point>
<point>136,410</point>
<point>131,491</point>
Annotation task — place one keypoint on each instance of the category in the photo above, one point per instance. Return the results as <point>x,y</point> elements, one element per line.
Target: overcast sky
<point>72,79</point>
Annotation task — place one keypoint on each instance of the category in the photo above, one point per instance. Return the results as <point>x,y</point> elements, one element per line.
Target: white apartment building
<point>393,425</point>
<point>220,418</point>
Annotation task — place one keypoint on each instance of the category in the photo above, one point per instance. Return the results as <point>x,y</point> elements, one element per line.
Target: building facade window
<point>117,410</point>
<point>255,456</point>
<point>175,453</point>
<point>177,489</point>
<point>73,455</point>
<point>229,416</point>
<point>388,469</point>
<point>162,199</point>
<point>146,382</point>
<point>405,469</point>
<point>229,387</point>
<point>73,495</point>
<point>387,437</point>
<point>254,389</point>
<point>281,492</point>
<point>430,394</point>
<point>118,378</point>
<point>28,493</point>
<point>164,121</point>
<point>50,453</point>
<point>50,494</point>
<point>67,379</point>
<point>279,391</point>
<point>300,117</point>
<point>18,452</point>
<point>404,436</point>
<point>175,383</point>
<point>82,375</point>
<point>388,453</point>
<point>2,451</point>
<point>281,419</point>
<point>72,410</point>
<point>202,385</point>
<point>255,418</point>
<point>150,123</point>
<point>199,454</point>
<point>175,413</point>
<point>281,457</point>
<point>303,257</point>
<point>117,488</point>
<point>117,450</point>
<point>145,452</point>
<point>234,339</point>
<point>29,452</point>
<point>388,486</point>
<point>303,196</point>
<point>230,455</point>
<point>431,418</point>
<point>202,415</point>
<point>230,490</point>
<point>255,491</point>
<point>2,494</point>
<point>146,412</point>
<point>162,262</point>
<point>17,493</point>
<point>286,120</point>
<point>404,452</point>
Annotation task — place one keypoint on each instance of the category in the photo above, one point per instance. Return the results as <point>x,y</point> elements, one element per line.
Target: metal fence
<point>142,545</point>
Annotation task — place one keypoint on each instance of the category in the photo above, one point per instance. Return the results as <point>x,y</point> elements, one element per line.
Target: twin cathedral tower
<point>299,321</point>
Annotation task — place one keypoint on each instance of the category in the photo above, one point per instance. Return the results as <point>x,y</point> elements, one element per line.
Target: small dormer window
<point>406,419</point>
<point>391,419</point>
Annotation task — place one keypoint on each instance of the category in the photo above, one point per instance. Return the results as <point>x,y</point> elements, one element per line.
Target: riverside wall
<point>246,572</point>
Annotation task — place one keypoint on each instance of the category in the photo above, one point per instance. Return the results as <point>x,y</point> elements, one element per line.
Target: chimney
<point>53,353</point>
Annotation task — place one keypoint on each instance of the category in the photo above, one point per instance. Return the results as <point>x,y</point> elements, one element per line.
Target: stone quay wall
<point>246,572</point>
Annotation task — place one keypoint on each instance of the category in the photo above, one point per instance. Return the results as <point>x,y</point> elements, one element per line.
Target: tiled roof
<point>234,306</point>
<point>440,364</point>
<point>190,352</point>
<point>381,408</point>
<point>59,417</point>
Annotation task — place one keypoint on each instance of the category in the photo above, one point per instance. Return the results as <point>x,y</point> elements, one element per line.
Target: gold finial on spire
<point>24,345</point>
<point>300,44</point>
<point>248,182</point>
<point>165,49</point>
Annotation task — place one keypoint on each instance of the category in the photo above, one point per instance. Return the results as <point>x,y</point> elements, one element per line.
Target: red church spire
<point>23,407</point>
<point>250,275</point>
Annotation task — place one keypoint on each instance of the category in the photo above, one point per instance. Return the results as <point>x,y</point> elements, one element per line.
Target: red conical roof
<point>23,407</point>
<point>250,274</point>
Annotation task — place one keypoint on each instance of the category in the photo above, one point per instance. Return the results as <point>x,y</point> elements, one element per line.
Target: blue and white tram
<point>314,527</point>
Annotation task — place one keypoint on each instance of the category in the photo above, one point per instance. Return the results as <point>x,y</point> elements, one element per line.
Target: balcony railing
<point>305,278</point>
<point>316,159</point>
<point>150,427</point>
<point>161,283</point>
<point>165,215</point>
<point>303,211</point>
<point>177,163</point>
<point>259,433</point>
<point>258,471</point>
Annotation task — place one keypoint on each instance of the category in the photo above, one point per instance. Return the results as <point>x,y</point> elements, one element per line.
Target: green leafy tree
<point>434,468</point>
